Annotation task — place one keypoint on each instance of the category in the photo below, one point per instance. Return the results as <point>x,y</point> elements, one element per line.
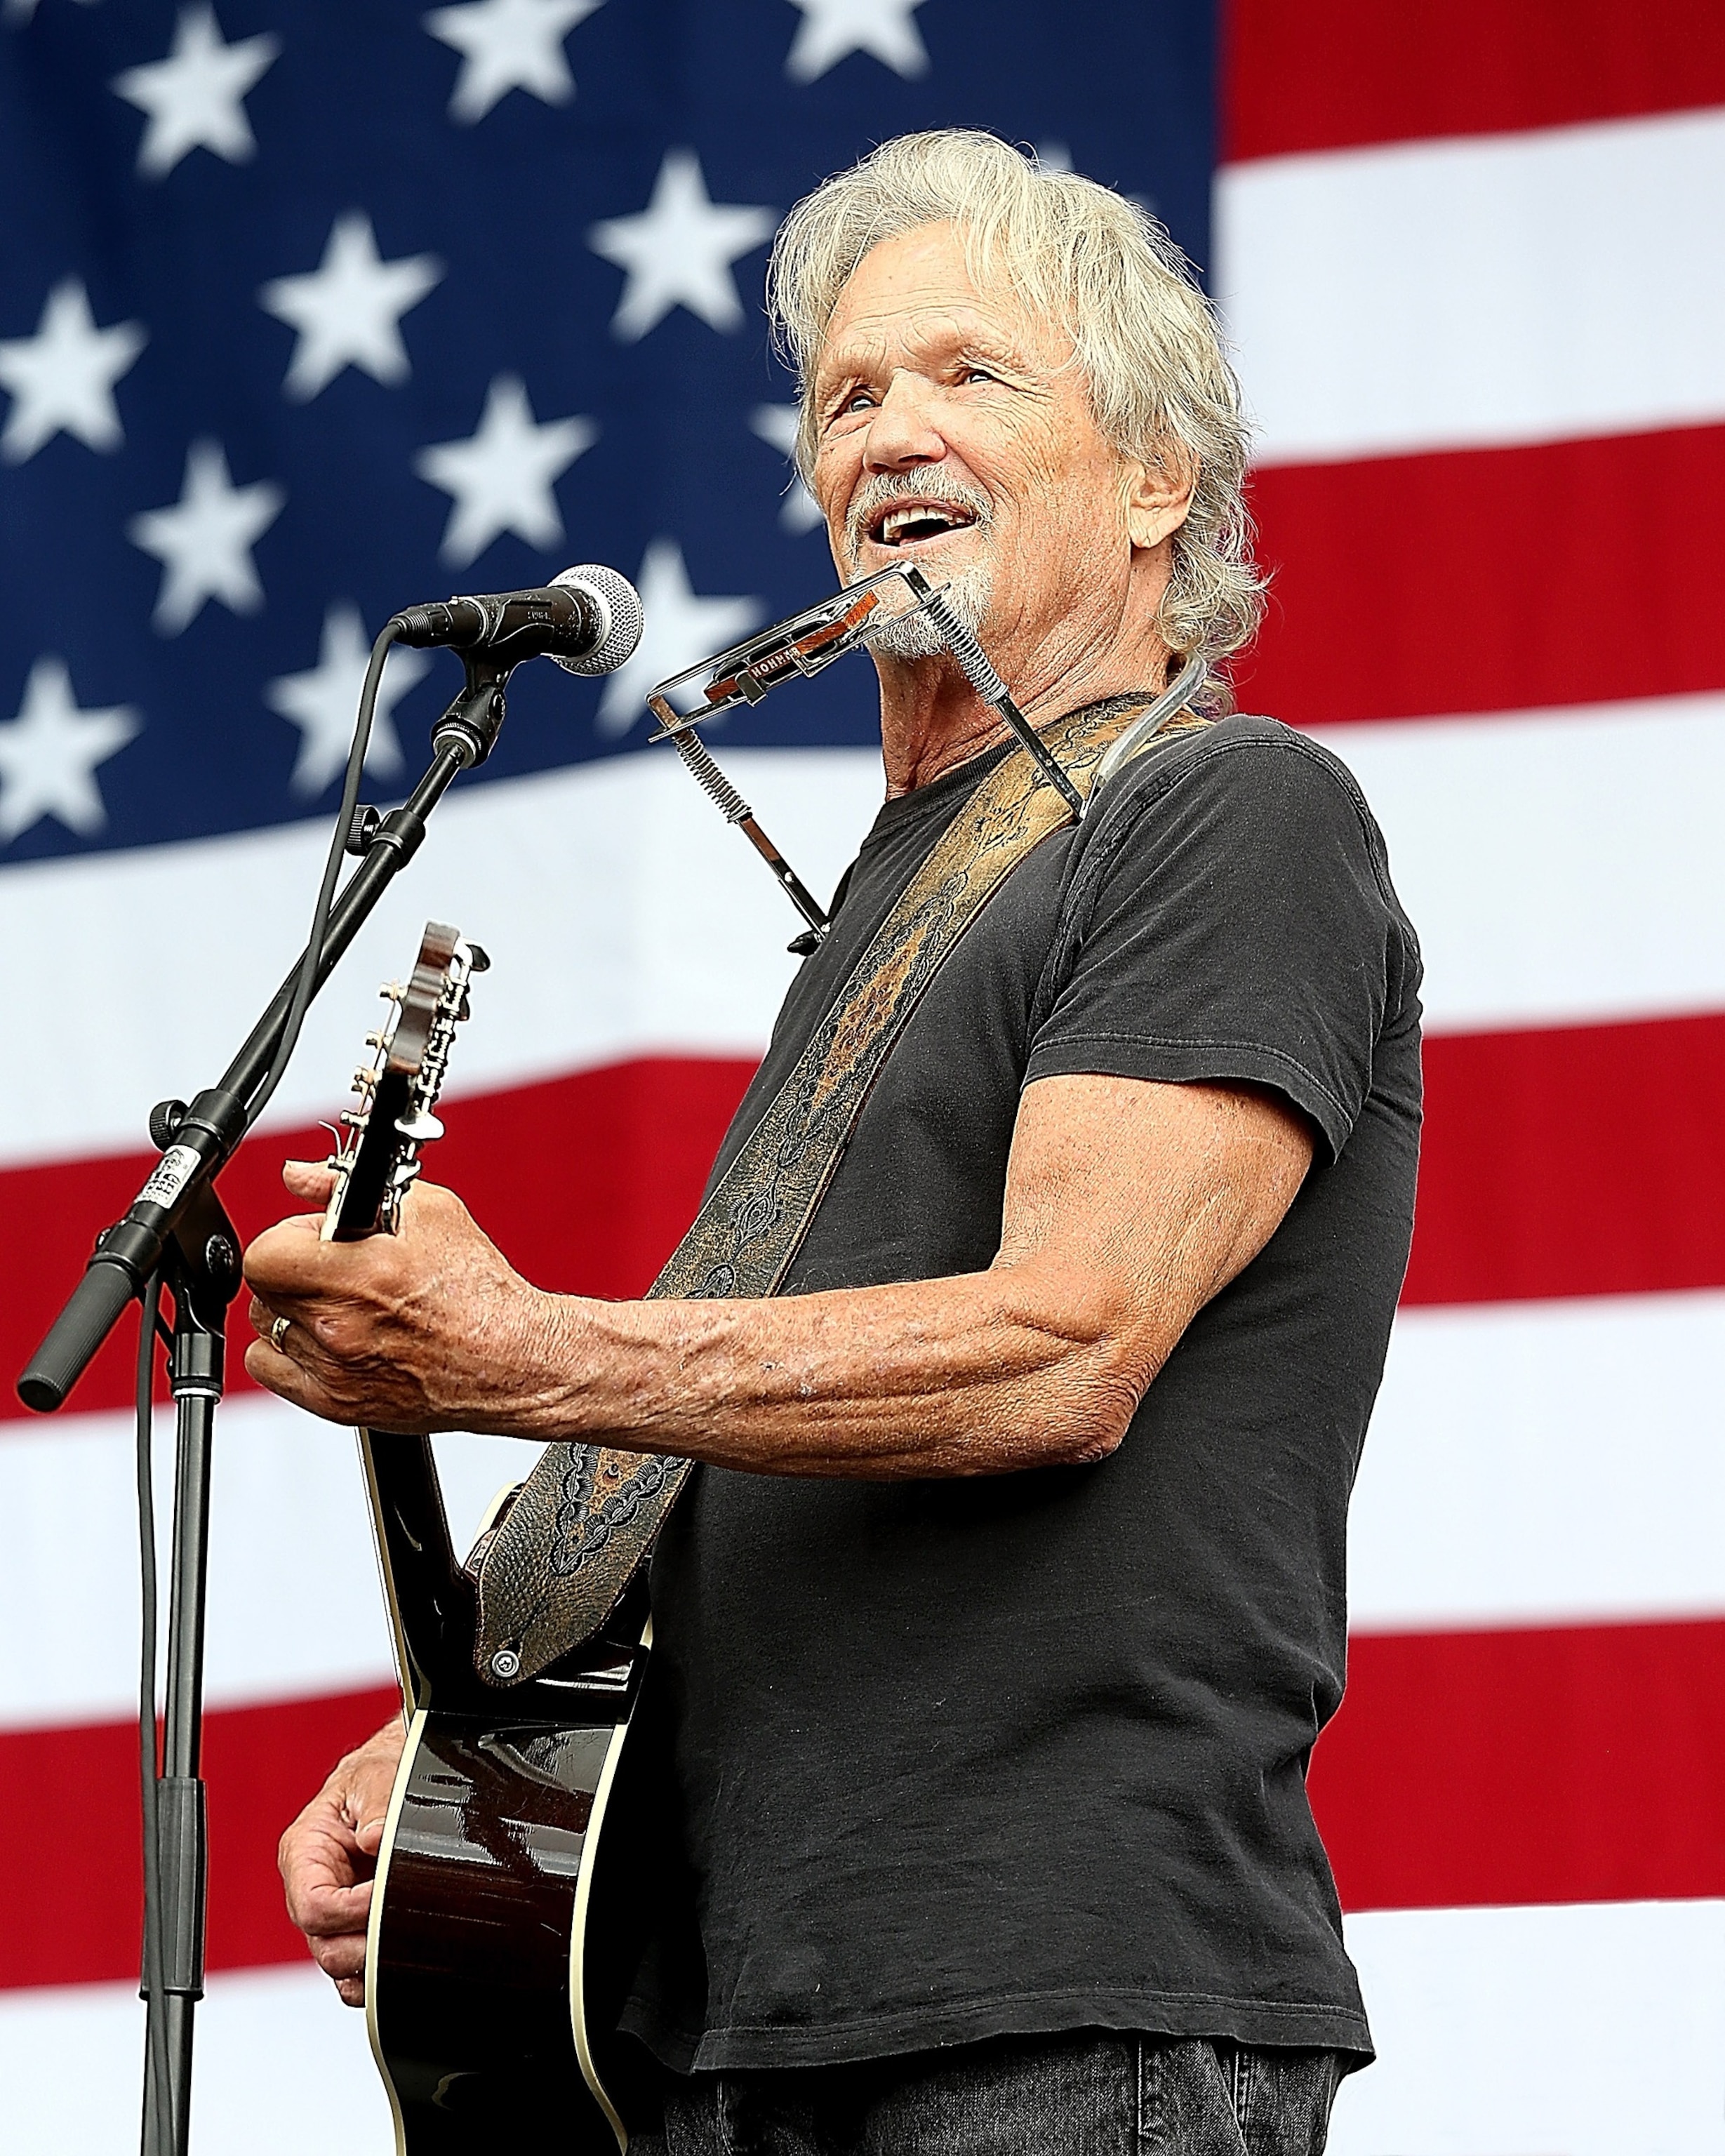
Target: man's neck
<point>931,720</point>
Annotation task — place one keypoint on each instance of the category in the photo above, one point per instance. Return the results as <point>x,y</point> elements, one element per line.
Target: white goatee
<point>915,636</point>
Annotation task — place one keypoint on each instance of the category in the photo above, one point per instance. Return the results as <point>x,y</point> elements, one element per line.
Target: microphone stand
<point>178,1225</point>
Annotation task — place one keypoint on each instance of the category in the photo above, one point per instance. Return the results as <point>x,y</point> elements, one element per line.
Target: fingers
<point>326,1876</point>
<point>309,1178</point>
<point>280,1374</point>
<point>326,1912</point>
<point>341,1957</point>
<point>270,1325</point>
<point>370,1837</point>
<point>291,1259</point>
<point>326,1858</point>
<point>369,1778</point>
<point>343,1961</point>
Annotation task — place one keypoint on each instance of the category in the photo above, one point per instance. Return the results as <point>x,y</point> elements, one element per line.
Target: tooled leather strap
<point>588,1514</point>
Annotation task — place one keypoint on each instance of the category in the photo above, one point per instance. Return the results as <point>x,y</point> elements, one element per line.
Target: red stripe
<point>1586,1160</point>
<point>1575,1160</point>
<point>589,1181</point>
<point>1326,75</point>
<point>70,1836</point>
<point>1465,1768</point>
<point>1490,580</point>
<point>1585,1765</point>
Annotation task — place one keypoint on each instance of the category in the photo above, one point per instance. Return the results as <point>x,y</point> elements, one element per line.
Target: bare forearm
<point>1042,1358</point>
<point>979,1373</point>
<point>1128,1206</point>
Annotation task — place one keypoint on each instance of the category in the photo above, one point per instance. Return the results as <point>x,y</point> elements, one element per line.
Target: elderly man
<point>995,1627</point>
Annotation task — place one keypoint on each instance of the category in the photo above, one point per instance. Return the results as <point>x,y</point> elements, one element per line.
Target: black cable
<point>155,1957</point>
<point>162,2119</point>
<point>306,986</point>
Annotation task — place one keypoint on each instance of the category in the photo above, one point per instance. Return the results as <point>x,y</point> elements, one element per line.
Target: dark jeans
<point>1086,2094</point>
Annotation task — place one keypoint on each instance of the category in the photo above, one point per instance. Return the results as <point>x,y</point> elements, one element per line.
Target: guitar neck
<point>430,1599</point>
<point>433,1599</point>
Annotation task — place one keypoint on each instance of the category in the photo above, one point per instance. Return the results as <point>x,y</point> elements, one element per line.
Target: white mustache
<point>886,488</point>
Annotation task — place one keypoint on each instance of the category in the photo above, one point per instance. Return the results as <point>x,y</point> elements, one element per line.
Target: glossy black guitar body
<point>483,1980</point>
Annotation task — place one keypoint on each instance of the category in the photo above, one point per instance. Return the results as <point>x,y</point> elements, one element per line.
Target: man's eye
<point>979,374</point>
<point>859,400</point>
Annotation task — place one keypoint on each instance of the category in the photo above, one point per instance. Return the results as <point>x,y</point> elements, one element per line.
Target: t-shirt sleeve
<point>1230,918</point>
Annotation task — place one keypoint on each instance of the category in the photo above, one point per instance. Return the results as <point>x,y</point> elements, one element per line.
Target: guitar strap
<point>583,1520</point>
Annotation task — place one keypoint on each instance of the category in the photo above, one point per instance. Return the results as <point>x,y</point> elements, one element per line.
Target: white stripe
<point>295,1606</point>
<point>1561,867</point>
<point>623,916</point>
<point>1532,1462</point>
<point>280,2066</point>
<point>1591,2030</point>
<point>1526,1464</point>
<point>1595,2030</point>
<point>1510,288</point>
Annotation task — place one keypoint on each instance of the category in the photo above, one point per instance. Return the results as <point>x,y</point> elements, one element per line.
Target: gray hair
<point>1143,332</point>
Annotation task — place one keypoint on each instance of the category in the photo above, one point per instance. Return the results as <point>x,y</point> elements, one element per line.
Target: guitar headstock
<point>377,1155</point>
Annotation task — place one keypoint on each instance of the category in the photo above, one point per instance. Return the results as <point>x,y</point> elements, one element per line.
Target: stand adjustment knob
<point>165,1120</point>
<point>362,829</point>
<point>221,1261</point>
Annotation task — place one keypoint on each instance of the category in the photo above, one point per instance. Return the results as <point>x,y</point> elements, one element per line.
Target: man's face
<point>953,429</point>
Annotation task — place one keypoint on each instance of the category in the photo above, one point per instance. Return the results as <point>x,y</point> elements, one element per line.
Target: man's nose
<point>903,433</point>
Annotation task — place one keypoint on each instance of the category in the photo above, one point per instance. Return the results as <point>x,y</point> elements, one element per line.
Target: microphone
<point>589,620</point>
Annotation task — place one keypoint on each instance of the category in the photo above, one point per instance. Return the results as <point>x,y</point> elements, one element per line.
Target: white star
<point>63,377</point>
<point>204,541</point>
<point>193,98</point>
<point>679,250</point>
<point>506,45</point>
<point>48,754</point>
<point>322,702</point>
<point>776,425</point>
<point>679,628</point>
<point>502,475</point>
<point>348,309</point>
<point>831,28</point>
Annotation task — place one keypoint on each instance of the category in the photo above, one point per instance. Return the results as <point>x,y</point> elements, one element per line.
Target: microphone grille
<point>622,605</point>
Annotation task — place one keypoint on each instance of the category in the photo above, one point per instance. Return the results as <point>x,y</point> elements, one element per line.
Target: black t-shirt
<point>963,1757</point>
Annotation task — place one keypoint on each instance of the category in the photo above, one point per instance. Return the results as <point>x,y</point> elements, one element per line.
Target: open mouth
<point>906,523</point>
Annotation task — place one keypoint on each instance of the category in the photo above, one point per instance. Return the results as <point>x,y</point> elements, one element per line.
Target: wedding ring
<point>278,1332</point>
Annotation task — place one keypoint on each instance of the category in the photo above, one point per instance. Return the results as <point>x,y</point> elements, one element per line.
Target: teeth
<point>897,521</point>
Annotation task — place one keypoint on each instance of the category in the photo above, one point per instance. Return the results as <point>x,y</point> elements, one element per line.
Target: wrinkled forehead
<point>923,297</point>
<point>873,340</point>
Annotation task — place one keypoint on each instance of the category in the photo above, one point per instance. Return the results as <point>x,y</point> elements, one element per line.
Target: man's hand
<point>430,1329</point>
<point>329,1854</point>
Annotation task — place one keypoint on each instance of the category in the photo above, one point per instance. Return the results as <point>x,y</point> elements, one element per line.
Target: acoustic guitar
<point>488,2008</point>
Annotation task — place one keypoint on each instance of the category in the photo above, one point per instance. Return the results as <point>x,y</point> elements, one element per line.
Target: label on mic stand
<point>170,1176</point>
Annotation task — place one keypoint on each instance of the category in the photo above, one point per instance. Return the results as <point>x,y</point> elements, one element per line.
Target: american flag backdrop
<point>312,308</point>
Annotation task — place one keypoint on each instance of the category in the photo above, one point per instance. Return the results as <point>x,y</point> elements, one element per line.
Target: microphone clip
<point>470,727</point>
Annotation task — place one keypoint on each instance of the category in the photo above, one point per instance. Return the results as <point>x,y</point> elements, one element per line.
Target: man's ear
<point>1158,495</point>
